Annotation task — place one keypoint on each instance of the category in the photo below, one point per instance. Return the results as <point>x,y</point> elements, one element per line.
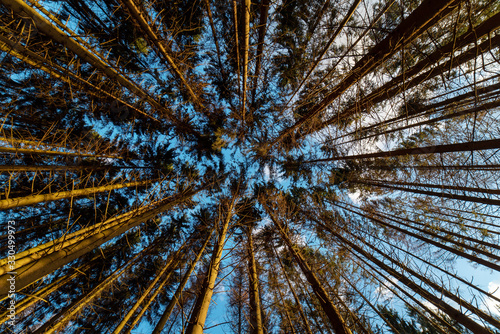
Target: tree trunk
<point>453,313</point>
<point>441,245</point>
<point>246,46</point>
<point>423,17</point>
<point>45,264</point>
<point>264,13</point>
<point>331,310</point>
<point>74,309</point>
<point>146,306</point>
<point>161,48</point>
<point>292,289</point>
<point>391,88</point>
<point>236,42</point>
<point>341,26</point>
<point>14,150</point>
<point>253,282</point>
<point>170,264</point>
<point>170,307</point>
<point>34,199</point>
<point>58,72</point>
<point>200,310</point>
<point>433,149</point>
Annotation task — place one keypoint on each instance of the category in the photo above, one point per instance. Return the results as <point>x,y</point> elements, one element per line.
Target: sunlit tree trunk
<point>39,263</point>
<point>34,199</point>
<point>170,307</point>
<point>403,278</point>
<point>253,278</point>
<point>169,265</point>
<point>246,46</point>
<point>200,310</point>
<point>329,308</point>
<point>423,17</point>
<point>292,289</point>
<point>83,301</point>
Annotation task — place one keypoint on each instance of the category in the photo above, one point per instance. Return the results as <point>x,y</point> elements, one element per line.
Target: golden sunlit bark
<point>37,263</point>
<point>34,199</point>
<point>170,307</point>
<point>255,306</point>
<point>200,310</point>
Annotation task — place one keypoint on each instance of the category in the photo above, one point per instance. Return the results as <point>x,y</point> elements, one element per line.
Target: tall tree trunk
<point>391,88</point>
<point>323,52</point>
<point>292,289</point>
<point>151,299</point>
<point>457,251</point>
<point>254,294</point>
<point>452,312</point>
<point>423,17</point>
<point>161,48</point>
<point>236,42</point>
<point>34,199</point>
<point>246,46</point>
<point>43,293</point>
<point>329,308</point>
<point>200,310</point>
<point>83,301</point>
<point>264,13</point>
<point>40,264</point>
<point>86,55</point>
<point>15,150</point>
<point>59,72</point>
<point>170,264</point>
<point>433,149</point>
<point>170,307</point>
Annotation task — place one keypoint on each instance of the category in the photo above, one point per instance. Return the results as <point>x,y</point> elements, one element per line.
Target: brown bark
<point>329,308</point>
<point>253,279</point>
<point>200,310</point>
<point>84,300</point>
<point>452,312</point>
<point>237,43</point>
<point>35,199</point>
<point>264,13</point>
<point>40,263</point>
<point>171,262</point>
<point>423,17</point>
<point>15,150</point>
<point>482,200</point>
<point>433,149</point>
<point>441,245</point>
<point>161,48</point>
<point>170,307</point>
<point>292,289</point>
<point>246,48</point>
<point>323,52</point>
<point>391,88</point>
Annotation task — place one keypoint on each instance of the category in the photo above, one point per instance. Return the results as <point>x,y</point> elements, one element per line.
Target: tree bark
<point>423,17</point>
<point>40,264</point>
<point>200,310</point>
<point>338,323</point>
<point>170,264</point>
<point>253,279</point>
<point>35,199</point>
<point>170,307</point>
<point>433,149</point>
<point>292,289</point>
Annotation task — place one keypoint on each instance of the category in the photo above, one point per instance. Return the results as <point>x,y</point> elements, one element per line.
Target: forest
<point>261,167</point>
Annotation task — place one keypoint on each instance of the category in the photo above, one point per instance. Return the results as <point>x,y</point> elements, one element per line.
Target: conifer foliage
<point>287,166</point>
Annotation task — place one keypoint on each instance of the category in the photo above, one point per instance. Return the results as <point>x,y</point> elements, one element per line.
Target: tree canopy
<point>289,166</point>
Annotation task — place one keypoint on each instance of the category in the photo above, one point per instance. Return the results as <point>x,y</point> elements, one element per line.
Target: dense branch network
<point>330,167</point>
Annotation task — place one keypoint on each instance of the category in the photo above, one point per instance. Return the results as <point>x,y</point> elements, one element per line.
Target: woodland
<point>238,166</point>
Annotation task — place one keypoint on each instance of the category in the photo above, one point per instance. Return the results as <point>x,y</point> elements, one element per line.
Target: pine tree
<point>332,167</point>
